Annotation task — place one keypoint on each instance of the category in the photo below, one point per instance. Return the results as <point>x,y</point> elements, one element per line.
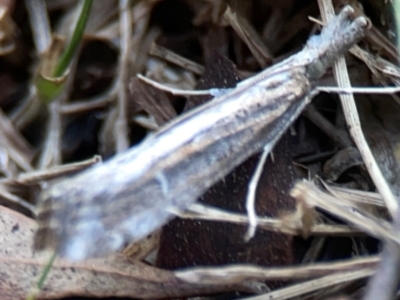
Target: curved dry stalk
<point>232,274</point>
<point>353,120</point>
<point>314,285</point>
<point>40,25</point>
<point>121,130</point>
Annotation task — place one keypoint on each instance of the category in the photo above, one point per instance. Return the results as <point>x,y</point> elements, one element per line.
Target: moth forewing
<point>129,196</point>
<point>177,165</point>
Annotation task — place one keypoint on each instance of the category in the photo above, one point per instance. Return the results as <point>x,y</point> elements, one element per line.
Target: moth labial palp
<point>135,192</point>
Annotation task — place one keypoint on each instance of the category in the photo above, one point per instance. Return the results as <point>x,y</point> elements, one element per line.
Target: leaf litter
<point>200,44</point>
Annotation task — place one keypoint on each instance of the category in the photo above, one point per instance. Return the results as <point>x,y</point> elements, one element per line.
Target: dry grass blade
<point>14,144</point>
<point>361,197</point>
<point>381,286</point>
<point>36,177</point>
<point>27,111</point>
<point>353,122</point>
<point>89,105</point>
<point>40,25</point>
<point>314,285</point>
<point>344,210</point>
<point>121,130</point>
<point>378,63</point>
<point>51,154</point>
<point>239,273</point>
<point>286,225</point>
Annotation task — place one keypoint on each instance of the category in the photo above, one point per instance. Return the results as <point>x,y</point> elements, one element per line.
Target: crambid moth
<point>132,194</point>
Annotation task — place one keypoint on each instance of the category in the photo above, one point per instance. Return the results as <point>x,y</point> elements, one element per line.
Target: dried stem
<point>353,120</point>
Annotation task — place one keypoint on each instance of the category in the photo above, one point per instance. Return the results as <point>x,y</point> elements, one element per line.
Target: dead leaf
<point>342,161</point>
<point>20,267</point>
<point>249,36</point>
<point>153,101</point>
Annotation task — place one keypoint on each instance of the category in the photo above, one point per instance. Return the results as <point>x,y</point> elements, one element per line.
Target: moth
<point>131,195</point>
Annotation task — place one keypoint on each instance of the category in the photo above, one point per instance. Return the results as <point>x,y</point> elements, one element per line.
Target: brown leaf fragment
<point>379,120</point>
<point>139,250</point>
<point>293,27</point>
<point>20,267</point>
<point>220,73</point>
<point>342,161</point>
<point>249,36</point>
<point>207,11</point>
<point>215,40</point>
<point>153,101</point>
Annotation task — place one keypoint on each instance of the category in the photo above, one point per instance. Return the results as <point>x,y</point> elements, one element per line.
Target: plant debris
<point>327,218</point>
